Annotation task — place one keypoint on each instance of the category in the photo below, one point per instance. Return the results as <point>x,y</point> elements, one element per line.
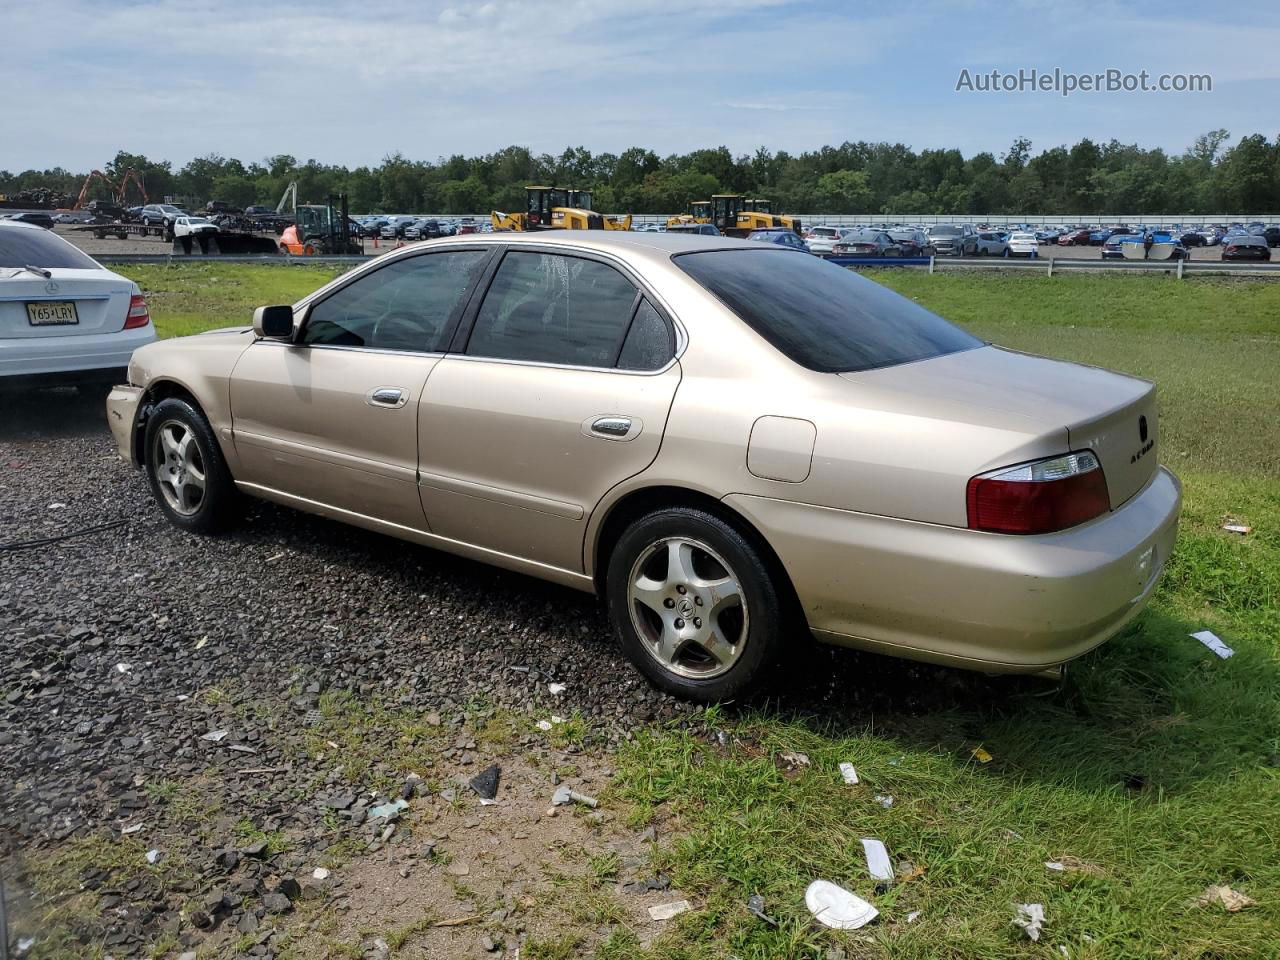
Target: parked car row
<point>413,227</point>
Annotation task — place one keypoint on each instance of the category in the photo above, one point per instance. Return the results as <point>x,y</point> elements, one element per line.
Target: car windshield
<point>946,231</point>
<point>23,247</point>
<point>822,316</point>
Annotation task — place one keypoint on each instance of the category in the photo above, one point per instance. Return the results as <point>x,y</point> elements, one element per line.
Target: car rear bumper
<point>991,602</point>
<point>122,417</point>
<point>82,356</point>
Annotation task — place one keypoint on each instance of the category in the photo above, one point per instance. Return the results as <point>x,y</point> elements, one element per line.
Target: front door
<point>560,391</point>
<point>333,417</point>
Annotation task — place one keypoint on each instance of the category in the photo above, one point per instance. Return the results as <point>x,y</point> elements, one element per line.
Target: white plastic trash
<point>836,907</point>
<point>1214,643</point>
<point>849,773</point>
<point>878,864</point>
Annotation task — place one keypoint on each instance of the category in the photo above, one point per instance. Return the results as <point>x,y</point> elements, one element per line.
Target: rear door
<point>559,390</point>
<point>332,418</point>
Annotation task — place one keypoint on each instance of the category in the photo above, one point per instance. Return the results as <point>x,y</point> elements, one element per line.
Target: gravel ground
<point>124,648</point>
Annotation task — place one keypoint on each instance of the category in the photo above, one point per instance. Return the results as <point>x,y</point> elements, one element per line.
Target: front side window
<point>822,316</point>
<point>410,304</point>
<point>549,308</point>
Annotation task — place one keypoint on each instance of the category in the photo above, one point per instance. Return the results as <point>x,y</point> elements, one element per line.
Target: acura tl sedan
<point>728,443</point>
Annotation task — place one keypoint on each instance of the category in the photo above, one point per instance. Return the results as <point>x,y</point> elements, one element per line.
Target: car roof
<point>646,243</point>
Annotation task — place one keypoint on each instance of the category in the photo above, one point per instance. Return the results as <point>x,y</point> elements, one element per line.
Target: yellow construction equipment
<point>735,216</point>
<point>699,212</point>
<point>557,208</point>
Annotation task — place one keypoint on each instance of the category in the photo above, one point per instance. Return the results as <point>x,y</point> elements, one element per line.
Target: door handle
<point>386,397</point>
<point>614,428</point>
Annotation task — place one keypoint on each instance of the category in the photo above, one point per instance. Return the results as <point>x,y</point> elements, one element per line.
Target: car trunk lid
<point>1109,413</point>
<point>101,302</point>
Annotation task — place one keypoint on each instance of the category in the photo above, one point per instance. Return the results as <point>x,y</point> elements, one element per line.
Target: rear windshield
<point>28,247</point>
<point>822,316</point>
<point>946,231</point>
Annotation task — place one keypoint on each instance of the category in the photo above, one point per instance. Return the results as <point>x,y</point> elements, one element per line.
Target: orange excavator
<point>118,191</point>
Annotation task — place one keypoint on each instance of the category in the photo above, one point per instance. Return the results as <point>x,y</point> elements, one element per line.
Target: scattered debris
<point>1239,528</point>
<point>277,556</point>
<point>1232,901</point>
<point>241,748</point>
<point>319,873</point>
<point>878,864</point>
<point>214,736</point>
<point>981,755</point>
<point>457,921</point>
<point>913,916</point>
<point>1030,918</point>
<point>134,828</point>
<point>544,726</point>
<point>836,907</point>
<point>1073,865</point>
<point>388,811</point>
<point>755,906</point>
<point>485,783</point>
<point>796,759</point>
<point>200,644</point>
<point>884,800</point>
<point>849,773</point>
<point>26,944</point>
<point>557,688</point>
<point>565,794</point>
<point>1214,643</point>
<point>124,668</point>
<point>665,911</point>
<point>154,856</point>
<point>556,721</point>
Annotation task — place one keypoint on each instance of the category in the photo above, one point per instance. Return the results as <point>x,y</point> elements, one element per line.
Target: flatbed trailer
<point>120,231</point>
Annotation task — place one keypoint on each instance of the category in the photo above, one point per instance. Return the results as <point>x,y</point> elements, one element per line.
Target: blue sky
<point>179,78</point>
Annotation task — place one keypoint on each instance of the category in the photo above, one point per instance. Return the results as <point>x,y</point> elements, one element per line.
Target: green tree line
<point>1211,176</point>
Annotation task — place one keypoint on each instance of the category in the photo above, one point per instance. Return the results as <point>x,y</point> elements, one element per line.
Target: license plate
<point>48,313</point>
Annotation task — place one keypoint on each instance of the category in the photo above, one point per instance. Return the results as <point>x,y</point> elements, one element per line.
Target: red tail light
<point>1230,248</point>
<point>1039,497</point>
<point>139,315</point>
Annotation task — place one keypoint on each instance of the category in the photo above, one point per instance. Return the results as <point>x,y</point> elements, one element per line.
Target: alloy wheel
<point>178,464</point>
<point>688,607</point>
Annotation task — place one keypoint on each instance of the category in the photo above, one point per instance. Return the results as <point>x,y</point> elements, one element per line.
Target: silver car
<point>728,442</point>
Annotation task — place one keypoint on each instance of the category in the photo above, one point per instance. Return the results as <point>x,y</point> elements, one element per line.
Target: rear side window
<point>409,304</point>
<point>37,247</point>
<point>822,316</point>
<point>549,308</point>
<point>649,343</point>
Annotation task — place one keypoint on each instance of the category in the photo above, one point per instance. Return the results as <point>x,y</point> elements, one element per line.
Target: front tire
<point>188,475</point>
<point>694,605</point>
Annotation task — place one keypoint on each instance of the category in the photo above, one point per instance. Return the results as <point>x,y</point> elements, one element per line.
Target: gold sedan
<point>727,441</point>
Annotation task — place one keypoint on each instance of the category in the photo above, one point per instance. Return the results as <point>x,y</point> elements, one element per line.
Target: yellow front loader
<point>557,208</point>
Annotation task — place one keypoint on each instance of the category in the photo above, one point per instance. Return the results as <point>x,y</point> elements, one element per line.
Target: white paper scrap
<point>849,773</point>
<point>878,864</point>
<point>665,911</point>
<point>1214,643</point>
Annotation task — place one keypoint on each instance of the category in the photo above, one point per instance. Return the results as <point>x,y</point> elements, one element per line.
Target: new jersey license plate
<point>48,313</point>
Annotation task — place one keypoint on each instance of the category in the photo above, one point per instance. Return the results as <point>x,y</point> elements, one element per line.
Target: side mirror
<point>273,323</point>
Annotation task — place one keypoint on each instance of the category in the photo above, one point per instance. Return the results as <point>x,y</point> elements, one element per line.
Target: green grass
<point>1156,763</point>
<point>192,298</point>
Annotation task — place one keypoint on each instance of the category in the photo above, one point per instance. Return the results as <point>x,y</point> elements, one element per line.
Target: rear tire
<point>694,605</point>
<point>188,475</point>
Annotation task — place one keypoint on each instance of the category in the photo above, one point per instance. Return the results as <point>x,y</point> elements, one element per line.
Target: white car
<point>1023,244</point>
<point>193,226</point>
<point>64,318</point>
<point>823,240</point>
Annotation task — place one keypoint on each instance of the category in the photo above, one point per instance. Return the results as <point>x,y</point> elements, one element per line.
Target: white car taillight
<point>138,315</point>
<point>1039,497</point>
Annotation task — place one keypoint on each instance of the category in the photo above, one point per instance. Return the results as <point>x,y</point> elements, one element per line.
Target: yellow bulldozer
<point>699,212</point>
<point>557,208</point>
<point>736,216</point>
